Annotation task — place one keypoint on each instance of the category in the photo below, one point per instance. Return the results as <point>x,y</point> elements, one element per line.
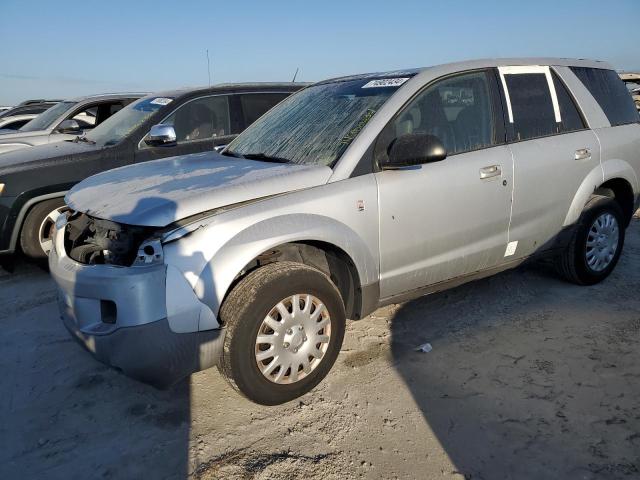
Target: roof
<point>227,87</point>
<point>630,76</point>
<point>109,96</point>
<point>481,63</point>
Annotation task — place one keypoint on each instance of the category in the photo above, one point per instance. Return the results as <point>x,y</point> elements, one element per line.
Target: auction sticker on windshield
<point>385,82</point>
<point>161,101</point>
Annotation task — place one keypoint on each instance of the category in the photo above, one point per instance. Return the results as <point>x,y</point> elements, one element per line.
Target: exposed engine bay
<point>94,241</point>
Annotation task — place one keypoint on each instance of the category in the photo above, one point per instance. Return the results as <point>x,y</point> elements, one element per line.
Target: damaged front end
<point>94,241</point>
<point>147,322</point>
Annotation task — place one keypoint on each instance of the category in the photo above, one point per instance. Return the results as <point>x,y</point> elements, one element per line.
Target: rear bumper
<point>119,314</point>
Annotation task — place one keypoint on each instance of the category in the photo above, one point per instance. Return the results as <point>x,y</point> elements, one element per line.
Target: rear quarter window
<point>610,93</point>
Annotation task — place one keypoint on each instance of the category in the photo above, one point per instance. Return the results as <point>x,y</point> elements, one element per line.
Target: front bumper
<point>119,314</point>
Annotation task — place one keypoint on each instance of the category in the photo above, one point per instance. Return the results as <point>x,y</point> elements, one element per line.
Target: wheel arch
<point>330,259</point>
<point>615,178</point>
<point>314,240</point>
<point>24,211</point>
<point>622,191</point>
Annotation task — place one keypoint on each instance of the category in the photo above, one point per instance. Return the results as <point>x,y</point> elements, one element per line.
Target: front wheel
<point>596,244</point>
<point>36,236</point>
<point>284,325</point>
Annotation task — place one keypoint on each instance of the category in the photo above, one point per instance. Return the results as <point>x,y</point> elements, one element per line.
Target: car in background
<point>632,81</point>
<point>34,181</point>
<point>66,120</point>
<point>4,108</point>
<point>28,109</point>
<point>35,101</point>
<point>13,123</point>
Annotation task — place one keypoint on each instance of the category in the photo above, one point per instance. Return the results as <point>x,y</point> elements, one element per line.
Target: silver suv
<point>66,120</point>
<point>351,194</point>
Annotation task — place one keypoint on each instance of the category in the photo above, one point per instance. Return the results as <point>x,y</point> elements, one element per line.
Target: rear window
<point>610,93</point>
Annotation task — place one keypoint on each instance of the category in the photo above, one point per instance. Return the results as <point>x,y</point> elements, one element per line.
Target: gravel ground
<point>529,377</point>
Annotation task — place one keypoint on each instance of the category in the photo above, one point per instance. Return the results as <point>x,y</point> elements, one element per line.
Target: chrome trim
<point>161,134</point>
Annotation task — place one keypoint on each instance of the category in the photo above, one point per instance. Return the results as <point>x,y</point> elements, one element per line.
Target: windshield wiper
<point>229,153</point>
<point>84,139</point>
<point>263,157</point>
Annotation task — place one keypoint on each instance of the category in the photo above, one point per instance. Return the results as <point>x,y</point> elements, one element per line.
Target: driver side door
<point>450,218</point>
<point>200,124</point>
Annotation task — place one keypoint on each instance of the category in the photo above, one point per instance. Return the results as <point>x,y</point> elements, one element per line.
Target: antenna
<point>208,67</point>
<point>295,74</point>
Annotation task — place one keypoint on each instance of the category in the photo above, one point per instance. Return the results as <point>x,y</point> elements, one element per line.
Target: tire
<point>30,233</point>
<point>244,313</point>
<point>573,263</point>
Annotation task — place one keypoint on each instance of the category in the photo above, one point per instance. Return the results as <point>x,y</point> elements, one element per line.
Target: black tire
<point>572,264</point>
<point>29,241</point>
<point>242,314</point>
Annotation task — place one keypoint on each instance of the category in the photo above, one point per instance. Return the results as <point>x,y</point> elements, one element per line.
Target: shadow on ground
<point>528,377</point>
<point>64,415</point>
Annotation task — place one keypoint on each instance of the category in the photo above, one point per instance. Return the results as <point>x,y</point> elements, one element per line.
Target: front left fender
<point>218,274</point>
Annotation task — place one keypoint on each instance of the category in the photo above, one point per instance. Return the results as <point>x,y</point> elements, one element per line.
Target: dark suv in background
<point>33,181</point>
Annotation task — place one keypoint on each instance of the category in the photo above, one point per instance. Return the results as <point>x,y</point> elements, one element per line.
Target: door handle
<point>491,171</point>
<point>583,154</point>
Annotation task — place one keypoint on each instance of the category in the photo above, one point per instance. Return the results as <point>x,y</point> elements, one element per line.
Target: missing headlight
<point>95,241</point>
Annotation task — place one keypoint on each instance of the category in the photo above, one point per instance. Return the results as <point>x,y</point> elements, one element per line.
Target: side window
<point>254,105</point>
<point>15,125</point>
<point>94,115</point>
<point>571,120</point>
<point>610,93</point>
<point>86,118</point>
<point>201,119</point>
<point>457,110</point>
<point>532,109</point>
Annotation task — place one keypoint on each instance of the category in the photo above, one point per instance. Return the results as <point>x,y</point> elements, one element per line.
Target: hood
<point>160,192</point>
<point>18,135</point>
<point>40,155</point>
<point>18,140</point>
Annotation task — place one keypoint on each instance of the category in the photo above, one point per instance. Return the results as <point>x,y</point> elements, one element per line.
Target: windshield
<point>315,126</point>
<point>47,118</point>
<point>121,124</point>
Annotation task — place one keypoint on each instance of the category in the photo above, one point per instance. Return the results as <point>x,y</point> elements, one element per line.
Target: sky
<point>56,50</point>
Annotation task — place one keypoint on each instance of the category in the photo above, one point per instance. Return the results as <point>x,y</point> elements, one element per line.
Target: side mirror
<point>69,126</point>
<point>161,135</point>
<point>415,149</point>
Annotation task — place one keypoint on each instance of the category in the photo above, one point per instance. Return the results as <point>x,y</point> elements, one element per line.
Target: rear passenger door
<point>553,152</point>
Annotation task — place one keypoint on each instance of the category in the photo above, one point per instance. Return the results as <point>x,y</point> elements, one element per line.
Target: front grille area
<point>94,241</point>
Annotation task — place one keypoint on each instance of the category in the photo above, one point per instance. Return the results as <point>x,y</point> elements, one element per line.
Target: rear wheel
<point>36,237</point>
<point>284,328</point>
<point>596,244</point>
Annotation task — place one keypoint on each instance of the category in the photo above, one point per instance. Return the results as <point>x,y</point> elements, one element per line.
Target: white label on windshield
<point>385,82</point>
<point>161,101</point>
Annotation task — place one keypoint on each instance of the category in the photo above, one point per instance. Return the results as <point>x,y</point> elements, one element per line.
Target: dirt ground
<point>529,377</point>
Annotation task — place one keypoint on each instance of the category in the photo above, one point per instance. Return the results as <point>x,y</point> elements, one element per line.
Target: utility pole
<point>208,67</point>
